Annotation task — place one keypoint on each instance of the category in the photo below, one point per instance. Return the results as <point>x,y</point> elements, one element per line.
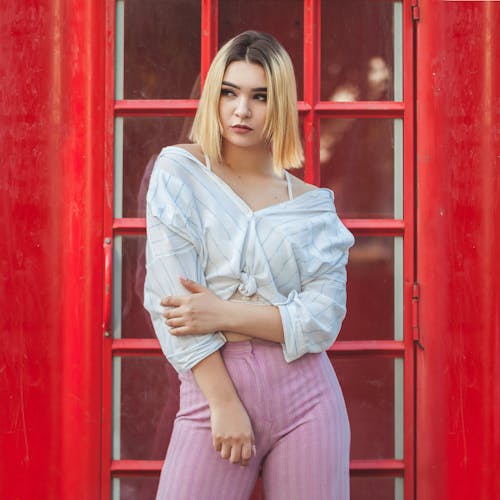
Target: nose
<point>242,108</point>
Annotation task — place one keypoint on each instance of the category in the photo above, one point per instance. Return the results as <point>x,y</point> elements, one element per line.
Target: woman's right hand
<point>232,433</point>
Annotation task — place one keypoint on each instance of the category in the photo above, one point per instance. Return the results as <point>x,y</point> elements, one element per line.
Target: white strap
<point>289,185</point>
<point>207,163</point>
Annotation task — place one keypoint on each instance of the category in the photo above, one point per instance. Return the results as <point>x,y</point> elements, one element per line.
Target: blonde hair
<point>281,129</point>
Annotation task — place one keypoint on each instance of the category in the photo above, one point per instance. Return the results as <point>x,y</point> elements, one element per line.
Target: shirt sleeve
<point>312,317</point>
<point>172,250</point>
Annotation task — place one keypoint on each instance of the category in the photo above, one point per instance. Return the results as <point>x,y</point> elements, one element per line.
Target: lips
<point>241,126</point>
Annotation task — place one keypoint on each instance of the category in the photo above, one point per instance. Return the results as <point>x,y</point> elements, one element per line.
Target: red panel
<point>159,107</point>
<point>458,407</point>
<point>52,91</point>
<point>209,34</point>
<point>312,37</point>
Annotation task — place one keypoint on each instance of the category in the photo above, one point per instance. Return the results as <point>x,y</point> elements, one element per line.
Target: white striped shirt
<point>292,254</point>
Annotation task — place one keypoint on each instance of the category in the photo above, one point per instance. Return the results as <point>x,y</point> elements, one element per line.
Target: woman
<point>246,289</point>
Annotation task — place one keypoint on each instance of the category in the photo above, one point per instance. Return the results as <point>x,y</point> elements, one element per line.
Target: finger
<point>173,312</point>
<point>217,443</point>
<point>235,457</point>
<point>172,301</point>
<point>175,322</point>
<point>180,330</point>
<point>225,451</point>
<point>246,453</point>
<point>192,286</point>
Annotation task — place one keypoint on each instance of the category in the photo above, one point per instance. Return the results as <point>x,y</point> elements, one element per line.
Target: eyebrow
<point>257,89</point>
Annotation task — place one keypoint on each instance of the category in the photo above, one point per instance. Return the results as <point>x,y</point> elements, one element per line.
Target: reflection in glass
<point>160,50</point>
<point>360,161</point>
<point>130,319</point>
<point>361,43</point>
<point>146,398</point>
<point>370,290</point>
<point>143,138</point>
<point>135,488</point>
<point>376,488</point>
<point>282,18</point>
<point>369,390</point>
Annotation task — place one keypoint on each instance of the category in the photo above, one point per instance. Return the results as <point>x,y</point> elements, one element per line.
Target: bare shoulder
<point>194,149</point>
<point>299,186</point>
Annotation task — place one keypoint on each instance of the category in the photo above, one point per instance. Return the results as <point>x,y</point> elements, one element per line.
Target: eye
<point>260,97</point>
<point>226,92</point>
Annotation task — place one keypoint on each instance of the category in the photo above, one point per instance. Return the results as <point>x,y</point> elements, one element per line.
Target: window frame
<point>312,110</point>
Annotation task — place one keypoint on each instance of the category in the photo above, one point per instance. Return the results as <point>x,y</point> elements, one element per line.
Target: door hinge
<point>415,314</point>
<point>415,10</point>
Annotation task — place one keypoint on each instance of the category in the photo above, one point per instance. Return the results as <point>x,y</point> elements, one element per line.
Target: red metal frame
<point>108,215</point>
<point>458,248</point>
<point>312,110</point>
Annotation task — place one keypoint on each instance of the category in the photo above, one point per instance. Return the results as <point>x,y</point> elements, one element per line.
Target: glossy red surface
<point>51,78</point>
<point>51,254</point>
<point>458,145</point>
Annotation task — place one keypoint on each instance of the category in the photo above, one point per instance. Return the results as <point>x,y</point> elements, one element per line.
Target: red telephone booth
<point>399,107</point>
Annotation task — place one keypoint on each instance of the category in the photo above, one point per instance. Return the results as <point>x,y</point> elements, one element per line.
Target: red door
<point>354,63</point>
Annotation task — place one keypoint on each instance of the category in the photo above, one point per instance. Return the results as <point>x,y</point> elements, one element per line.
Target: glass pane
<point>361,160</point>
<point>159,49</point>
<point>236,16</point>
<point>130,319</point>
<point>376,488</point>
<point>361,50</point>
<point>146,398</point>
<point>368,383</point>
<point>142,140</point>
<point>135,488</point>
<point>370,290</point>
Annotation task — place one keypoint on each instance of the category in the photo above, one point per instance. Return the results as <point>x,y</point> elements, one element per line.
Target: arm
<point>171,251</point>
<point>308,321</point>
<point>203,312</point>
<point>312,317</point>
<point>232,433</point>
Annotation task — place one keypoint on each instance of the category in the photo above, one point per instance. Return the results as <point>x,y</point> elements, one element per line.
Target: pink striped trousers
<point>300,423</point>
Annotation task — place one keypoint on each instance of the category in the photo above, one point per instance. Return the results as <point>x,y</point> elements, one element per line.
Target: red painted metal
<point>129,226</point>
<point>362,227</point>
<point>409,270</point>
<point>458,406</point>
<point>160,107</point>
<point>149,347</point>
<point>388,347</point>
<point>360,109</point>
<point>312,75</point>
<point>107,216</point>
<point>325,109</point>
<point>377,467</point>
<point>382,467</point>
<point>121,468</point>
<point>209,34</point>
<point>52,82</point>
<point>108,279</point>
<point>376,227</point>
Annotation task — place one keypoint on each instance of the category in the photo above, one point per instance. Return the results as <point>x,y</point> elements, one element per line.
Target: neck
<point>248,160</point>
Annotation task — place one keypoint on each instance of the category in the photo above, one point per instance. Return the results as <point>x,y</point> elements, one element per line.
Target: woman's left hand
<point>195,314</point>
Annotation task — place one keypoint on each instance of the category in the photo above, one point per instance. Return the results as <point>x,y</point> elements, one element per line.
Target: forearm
<point>262,322</point>
<point>214,381</point>
<point>232,433</point>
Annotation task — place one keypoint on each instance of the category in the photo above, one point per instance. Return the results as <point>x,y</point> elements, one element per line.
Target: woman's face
<point>243,105</point>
